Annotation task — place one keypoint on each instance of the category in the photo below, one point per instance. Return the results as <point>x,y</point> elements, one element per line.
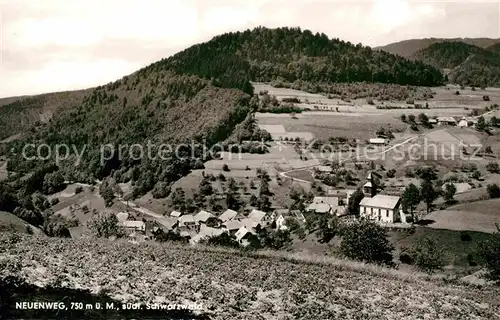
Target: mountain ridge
<point>407,48</point>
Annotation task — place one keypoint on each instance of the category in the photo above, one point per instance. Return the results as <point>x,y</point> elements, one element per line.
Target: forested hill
<point>289,55</point>
<point>407,48</point>
<point>468,64</point>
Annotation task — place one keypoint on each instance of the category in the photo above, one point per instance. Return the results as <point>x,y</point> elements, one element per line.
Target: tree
<point>424,120</point>
<point>494,122</point>
<point>428,193</point>
<point>206,186</point>
<point>411,118</point>
<point>493,167</point>
<point>105,225</point>
<point>327,228</point>
<point>106,192</point>
<point>354,200</point>
<point>427,255</point>
<point>366,241</point>
<point>493,191</point>
<point>403,117</point>
<point>481,124</point>
<point>179,199</point>
<point>411,198</point>
<point>489,252</point>
<point>449,192</point>
<point>222,240</point>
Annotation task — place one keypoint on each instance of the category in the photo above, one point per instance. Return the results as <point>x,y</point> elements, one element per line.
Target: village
<point>330,181</point>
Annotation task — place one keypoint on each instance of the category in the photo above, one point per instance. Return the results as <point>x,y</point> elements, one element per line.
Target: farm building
<point>122,216</point>
<point>381,208</point>
<point>324,169</point>
<point>378,141</point>
<point>130,225</point>
<point>206,232</point>
<point>232,226</point>
<point>175,214</point>
<point>467,122</point>
<point>186,223</point>
<point>166,224</point>
<point>228,215</point>
<point>260,217</point>
<point>327,205</point>
<point>203,216</point>
<point>449,121</point>
<point>243,234</point>
<point>433,121</point>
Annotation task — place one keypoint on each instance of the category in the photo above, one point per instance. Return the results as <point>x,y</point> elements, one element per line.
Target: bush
<point>366,241</point>
<point>471,260</point>
<point>225,167</point>
<point>493,167</point>
<point>427,256</point>
<point>493,191</point>
<point>489,252</point>
<point>391,173</point>
<point>222,240</point>
<point>465,236</point>
<point>405,258</point>
<point>105,225</point>
<point>78,189</point>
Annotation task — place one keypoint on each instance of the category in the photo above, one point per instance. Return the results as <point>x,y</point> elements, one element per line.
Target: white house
<point>175,214</point>
<point>378,141</point>
<point>281,222</point>
<point>187,223</point>
<point>134,225</point>
<point>381,208</point>
<point>242,235</point>
<point>450,121</point>
<point>324,169</point>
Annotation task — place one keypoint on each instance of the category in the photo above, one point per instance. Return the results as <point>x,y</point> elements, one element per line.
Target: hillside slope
<point>292,54</point>
<point>407,48</point>
<point>468,64</point>
<point>236,285</point>
<point>18,114</point>
<point>9,221</point>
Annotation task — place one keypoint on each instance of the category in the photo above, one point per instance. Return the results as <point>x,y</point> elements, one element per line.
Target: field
<point>455,250</point>
<point>270,285</point>
<point>476,216</point>
<point>8,221</point>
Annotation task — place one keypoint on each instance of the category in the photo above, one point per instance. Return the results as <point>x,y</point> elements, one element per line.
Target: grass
<point>270,285</point>
<point>455,250</point>
<point>8,221</point>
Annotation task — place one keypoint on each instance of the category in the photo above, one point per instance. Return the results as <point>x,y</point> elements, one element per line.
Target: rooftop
<point>175,214</point>
<point>380,201</point>
<point>134,224</point>
<point>203,216</point>
<point>377,140</point>
<point>256,215</point>
<point>228,215</point>
<point>189,218</point>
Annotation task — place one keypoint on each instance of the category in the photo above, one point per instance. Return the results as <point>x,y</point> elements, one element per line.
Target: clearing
<point>475,216</point>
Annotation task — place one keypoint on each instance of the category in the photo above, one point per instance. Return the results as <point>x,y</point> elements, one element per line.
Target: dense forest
<point>290,54</point>
<point>468,64</point>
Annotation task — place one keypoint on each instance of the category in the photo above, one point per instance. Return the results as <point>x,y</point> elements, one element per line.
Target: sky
<point>57,45</point>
